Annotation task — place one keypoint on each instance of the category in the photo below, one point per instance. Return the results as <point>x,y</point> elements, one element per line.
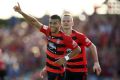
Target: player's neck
<point>68,31</point>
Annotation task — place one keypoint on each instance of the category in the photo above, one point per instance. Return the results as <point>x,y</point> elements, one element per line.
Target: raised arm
<point>31,20</point>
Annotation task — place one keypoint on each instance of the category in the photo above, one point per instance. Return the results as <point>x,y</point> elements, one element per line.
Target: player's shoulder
<point>65,37</point>
<point>62,33</point>
<point>78,33</point>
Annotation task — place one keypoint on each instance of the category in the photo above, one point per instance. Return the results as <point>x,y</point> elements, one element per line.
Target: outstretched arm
<point>96,66</point>
<point>31,20</point>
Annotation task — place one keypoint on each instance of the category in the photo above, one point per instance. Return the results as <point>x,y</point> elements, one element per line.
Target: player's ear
<point>59,22</point>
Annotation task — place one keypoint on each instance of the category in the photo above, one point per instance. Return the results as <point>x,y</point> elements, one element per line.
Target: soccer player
<point>76,68</point>
<point>57,46</point>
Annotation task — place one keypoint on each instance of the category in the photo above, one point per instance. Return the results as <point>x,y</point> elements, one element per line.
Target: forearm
<point>94,53</point>
<point>74,53</point>
<point>31,20</point>
<point>69,56</point>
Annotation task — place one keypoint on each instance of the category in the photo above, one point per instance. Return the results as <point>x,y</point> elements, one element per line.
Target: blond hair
<point>67,13</point>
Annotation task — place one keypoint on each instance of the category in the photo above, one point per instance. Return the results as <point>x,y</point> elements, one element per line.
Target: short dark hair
<point>56,17</point>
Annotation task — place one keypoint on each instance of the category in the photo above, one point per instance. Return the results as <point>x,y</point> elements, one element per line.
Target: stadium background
<point>24,47</point>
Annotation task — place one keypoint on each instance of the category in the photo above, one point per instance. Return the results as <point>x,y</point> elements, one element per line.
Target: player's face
<point>67,22</point>
<point>54,24</point>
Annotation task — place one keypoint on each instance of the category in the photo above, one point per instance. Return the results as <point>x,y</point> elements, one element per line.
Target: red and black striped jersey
<point>56,48</point>
<point>79,62</point>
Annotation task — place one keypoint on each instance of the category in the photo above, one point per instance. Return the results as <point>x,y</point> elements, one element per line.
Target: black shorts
<point>75,75</point>
<point>55,76</point>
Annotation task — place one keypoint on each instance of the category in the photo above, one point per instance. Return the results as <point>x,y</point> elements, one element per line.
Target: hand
<point>61,61</point>
<point>17,8</point>
<point>43,73</point>
<point>97,68</point>
<point>39,75</point>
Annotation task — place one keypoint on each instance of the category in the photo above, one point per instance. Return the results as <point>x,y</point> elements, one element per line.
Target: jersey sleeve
<point>83,40</point>
<point>45,29</point>
<point>87,42</point>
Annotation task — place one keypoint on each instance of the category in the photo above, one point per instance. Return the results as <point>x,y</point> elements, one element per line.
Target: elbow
<point>78,50</point>
<point>93,47</point>
<point>33,22</point>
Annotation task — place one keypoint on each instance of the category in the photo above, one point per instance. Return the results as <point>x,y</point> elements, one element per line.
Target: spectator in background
<point>2,66</point>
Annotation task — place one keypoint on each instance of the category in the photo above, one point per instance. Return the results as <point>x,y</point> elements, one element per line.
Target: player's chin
<point>67,27</point>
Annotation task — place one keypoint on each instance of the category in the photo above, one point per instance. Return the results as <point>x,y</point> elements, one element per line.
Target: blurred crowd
<point>23,47</point>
